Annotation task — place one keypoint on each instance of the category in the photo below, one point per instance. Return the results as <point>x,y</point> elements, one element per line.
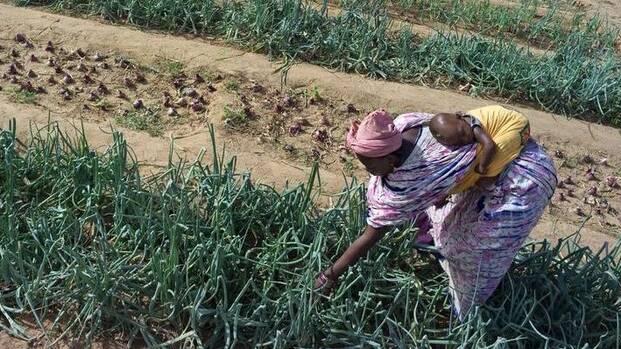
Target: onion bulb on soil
<point>20,38</point>
<point>138,104</point>
<point>140,78</point>
<point>198,79</point>
<point>197,106</point>
<point>66,94</point>
<point>102,89</point>
<point>129,83</point>
<point>295,129</point>
<point>50,47</point>
<point>168,102</point>
<point>590,176</point>
<point>120,94</point>
<point>325,121</point>
<point>178,83</point>
<point>288,101</point>
<point>68,79</point>
<point>190,92</point>
<point>320,135</point>
<point>256,87</point>
<point>13,70</point>
<point>26,86</point>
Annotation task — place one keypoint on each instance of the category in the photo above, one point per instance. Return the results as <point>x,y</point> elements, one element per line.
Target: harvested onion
<point>138,104</point>
<point>50,47</point>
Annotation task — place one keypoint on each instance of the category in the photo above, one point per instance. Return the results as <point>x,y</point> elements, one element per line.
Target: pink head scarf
<point>375,136</point>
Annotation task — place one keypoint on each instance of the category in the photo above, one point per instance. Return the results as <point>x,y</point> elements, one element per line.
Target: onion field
<point>581,77</point>
<point>198,255</point>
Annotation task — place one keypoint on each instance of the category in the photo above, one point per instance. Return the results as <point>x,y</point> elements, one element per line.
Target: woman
<point>478,233</point>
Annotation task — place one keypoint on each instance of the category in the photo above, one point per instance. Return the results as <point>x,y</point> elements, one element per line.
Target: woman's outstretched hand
<point>326,280</point>
<point>323,284</point>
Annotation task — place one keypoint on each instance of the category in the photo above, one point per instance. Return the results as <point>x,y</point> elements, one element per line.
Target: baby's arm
<point>488,149</point>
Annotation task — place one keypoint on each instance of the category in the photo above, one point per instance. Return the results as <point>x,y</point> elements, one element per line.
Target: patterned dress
<point>479,232</point>
<point>428,174</point>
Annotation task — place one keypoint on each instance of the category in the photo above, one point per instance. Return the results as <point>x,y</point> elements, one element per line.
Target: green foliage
<point>540,23</point>
<point>234,116</point>
<point>232,85</point>
<point>170,67</point>
<point>21,96</point>
<point>201,256</point>
<point>146,119</point>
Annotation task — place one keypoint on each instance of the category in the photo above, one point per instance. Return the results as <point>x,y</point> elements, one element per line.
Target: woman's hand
<point>323,284</point>
<point>362,245</point>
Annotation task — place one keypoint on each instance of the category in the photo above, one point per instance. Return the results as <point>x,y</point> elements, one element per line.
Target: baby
<point>457,130</point>
<point>500,135</point>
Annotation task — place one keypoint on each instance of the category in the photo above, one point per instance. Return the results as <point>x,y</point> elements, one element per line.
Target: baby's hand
<point>481,169</point>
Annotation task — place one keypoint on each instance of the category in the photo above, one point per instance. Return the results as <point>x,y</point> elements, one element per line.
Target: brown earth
<point>266,159</point>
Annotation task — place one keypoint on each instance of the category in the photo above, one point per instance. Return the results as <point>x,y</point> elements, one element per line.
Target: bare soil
<point>274,132</point>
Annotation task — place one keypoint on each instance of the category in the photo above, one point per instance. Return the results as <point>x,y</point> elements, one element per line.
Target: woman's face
<point>379,166</point>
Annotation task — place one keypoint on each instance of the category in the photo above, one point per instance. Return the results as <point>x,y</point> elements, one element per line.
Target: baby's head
<point>451,129</point>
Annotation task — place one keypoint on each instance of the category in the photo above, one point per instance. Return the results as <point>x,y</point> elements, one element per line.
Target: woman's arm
<point>362,245</point>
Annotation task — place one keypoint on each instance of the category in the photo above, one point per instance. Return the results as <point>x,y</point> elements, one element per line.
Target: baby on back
<point>500,134</point>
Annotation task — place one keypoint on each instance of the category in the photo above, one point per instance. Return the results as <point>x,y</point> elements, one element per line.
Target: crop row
<point>541,23</point>
<point>202,256</point>
<point>571,80</point>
